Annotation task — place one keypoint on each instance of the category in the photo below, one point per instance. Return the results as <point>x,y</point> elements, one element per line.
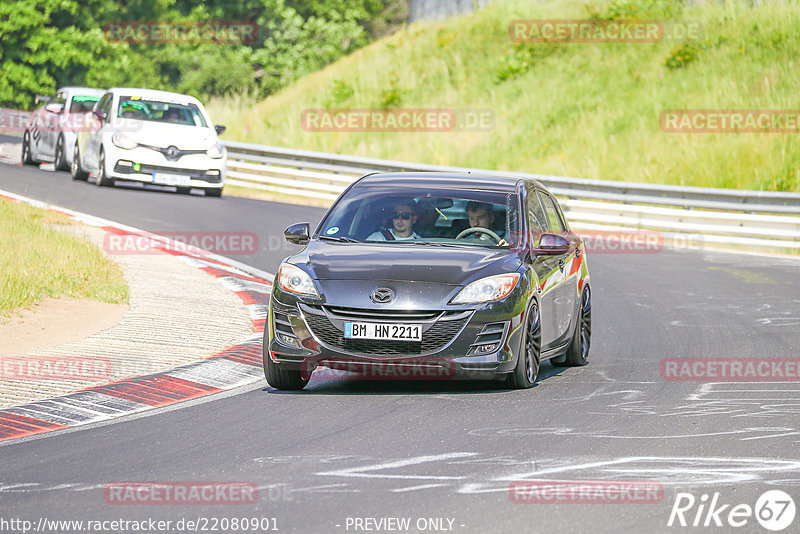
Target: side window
<point>553,220</point>
<point>105,104</point>
<point>60,98</point>
<point>537,221</point>
<point>536,217</point>
<point>564,222</point>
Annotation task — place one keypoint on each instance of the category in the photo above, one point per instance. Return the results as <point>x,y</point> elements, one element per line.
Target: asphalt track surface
<point>353,449</point>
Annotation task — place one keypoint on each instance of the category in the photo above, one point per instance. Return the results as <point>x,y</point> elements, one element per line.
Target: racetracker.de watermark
<point>585,492</point>
<point>222,243</point>
<point>14,120</point>
<point>730,121</point>
<point>397,120</point>
<point>602,31</point>
<point>357,371</point>
<point>623,242</point>
<point>54,368</point>
<point>180,493</point>
<point>182,31</point>
<point>731,369</point>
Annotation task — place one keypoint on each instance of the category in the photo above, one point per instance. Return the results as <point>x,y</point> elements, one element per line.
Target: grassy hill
<point>570,109</point>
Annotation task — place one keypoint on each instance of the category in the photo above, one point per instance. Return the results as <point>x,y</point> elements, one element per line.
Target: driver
<point>404,217</point>
<point>481,215</point>
<point>172,115</point>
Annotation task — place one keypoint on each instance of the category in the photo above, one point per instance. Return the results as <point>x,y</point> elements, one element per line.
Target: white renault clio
<point>154,137</point>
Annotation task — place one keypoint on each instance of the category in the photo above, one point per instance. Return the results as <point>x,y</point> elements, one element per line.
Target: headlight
<point>216,151</point>
<point>487,289</point>
<point>123,141</point>
<point>296,280</point>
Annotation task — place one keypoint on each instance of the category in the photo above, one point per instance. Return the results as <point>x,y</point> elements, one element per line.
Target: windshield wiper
<point>435,243</point>
<point>339,239</point>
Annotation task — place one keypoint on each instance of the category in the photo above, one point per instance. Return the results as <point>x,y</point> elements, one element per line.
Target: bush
<point>681,55</point>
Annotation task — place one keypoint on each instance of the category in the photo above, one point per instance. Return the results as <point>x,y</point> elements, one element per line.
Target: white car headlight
<point>216,151</point>
<point>295,280</point>
<point>487,289</point>
<point>123,141</point>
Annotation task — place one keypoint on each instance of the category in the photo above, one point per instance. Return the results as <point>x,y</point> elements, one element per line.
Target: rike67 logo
<point>774,510</point>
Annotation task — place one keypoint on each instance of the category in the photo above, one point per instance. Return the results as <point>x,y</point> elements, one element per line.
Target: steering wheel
<point>479,230</point>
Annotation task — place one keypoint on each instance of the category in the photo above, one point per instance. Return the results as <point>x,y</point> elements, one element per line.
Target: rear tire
<point>285,379</point>
<point>102,180</point>
<point>75,168</point>
<point>183,190</point>
<point>527,369</point>
<point>27,157</point>
<point>60,161</point>
<point>578,352</point>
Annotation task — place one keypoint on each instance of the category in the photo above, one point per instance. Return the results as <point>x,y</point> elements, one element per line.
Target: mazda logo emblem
<point>382,295</point>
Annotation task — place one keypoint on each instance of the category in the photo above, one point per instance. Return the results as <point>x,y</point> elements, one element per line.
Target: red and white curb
<point>236,366</point>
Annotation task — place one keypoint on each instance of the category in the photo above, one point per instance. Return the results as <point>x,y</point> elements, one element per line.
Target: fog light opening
<point>485,349</point>
<point>289,341</point>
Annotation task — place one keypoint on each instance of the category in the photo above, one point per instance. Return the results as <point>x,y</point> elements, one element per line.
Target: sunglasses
<point>406,215</point>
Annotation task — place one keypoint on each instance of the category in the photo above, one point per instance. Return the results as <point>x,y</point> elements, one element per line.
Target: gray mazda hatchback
<point>431,276</point>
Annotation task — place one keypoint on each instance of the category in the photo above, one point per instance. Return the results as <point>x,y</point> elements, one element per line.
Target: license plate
<point>162,178</point>
<point>387,331</point>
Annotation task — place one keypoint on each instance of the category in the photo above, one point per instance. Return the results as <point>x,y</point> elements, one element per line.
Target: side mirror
<point>101,115</point>
<point>552,245</point>
<point>297,233</point>
<point>54,108</point>
<point>219,129</point>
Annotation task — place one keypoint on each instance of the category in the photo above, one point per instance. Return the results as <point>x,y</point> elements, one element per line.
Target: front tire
<point>213,192</point>
<point>285,379</point>
<point>527,369</point>
<point>61,160</point>
<point>27,157</point>
<point>102,180</point>
<point>75,168</point>
<point>578,351</point>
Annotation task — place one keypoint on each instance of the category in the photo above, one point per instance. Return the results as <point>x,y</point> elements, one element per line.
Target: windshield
<point>82,104</point>
<point>444,217</point>
<point>133,107</point>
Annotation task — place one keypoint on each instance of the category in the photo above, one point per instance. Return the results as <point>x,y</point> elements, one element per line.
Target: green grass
<point>40,261</point>
<point>586,110</point>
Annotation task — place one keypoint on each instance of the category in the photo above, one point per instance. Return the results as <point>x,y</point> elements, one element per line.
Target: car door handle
<point>561,265</point>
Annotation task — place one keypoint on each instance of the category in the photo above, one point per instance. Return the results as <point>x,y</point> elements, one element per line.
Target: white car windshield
<point>82,103</point>
<point>133,107</point>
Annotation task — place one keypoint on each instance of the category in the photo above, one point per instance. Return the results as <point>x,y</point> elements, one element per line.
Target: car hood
<point>163,135</point>
<point>403,262</point>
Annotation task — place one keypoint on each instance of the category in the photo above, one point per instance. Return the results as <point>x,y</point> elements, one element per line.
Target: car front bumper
<point>149,166</point>
<point>480,342</point>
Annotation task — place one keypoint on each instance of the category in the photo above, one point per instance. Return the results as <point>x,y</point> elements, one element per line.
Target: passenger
<point>404,217</point>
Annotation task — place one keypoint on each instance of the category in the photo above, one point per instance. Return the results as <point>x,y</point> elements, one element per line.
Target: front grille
<point>446,327</point>
<point>150,169</point>
<point>175,154</point>
<point>359,314</point>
